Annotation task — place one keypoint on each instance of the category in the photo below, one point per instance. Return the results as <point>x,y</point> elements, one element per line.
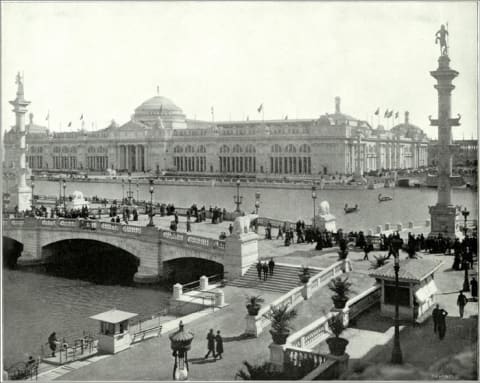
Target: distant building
<point>159,137</point>
<point>467,154</point>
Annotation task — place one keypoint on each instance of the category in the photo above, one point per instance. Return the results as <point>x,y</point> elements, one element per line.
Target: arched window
<point>224,149</point>
<point>237,149</point>
<point>276,148</point>
<point>65,149</point>
<point>305,148</point>
<point>73,149</point>
<point>250,149</point>
<point>189,149</point>
<point>56,149</point>
<point>33,149</point>
<point>201,149</point>
<point>91,149</point>
<point>290,148</point>
<point>178,149</point>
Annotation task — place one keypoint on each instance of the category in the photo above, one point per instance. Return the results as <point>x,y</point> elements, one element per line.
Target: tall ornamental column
<point>23,194</point>
<point>443,214</point>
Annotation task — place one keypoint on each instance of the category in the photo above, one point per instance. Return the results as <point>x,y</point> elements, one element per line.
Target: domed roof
<point>158,102</point>
<point>407,129</point>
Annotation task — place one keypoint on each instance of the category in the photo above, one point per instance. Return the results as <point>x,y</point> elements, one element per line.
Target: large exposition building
<point>159,137</point>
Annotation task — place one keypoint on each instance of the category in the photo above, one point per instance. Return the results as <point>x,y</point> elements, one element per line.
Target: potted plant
<point>343,252</point>
<point>253,304</point>
<point>340,287</point>
<point>280,318</point>
<point>305,274</point>
<point>336,345</point>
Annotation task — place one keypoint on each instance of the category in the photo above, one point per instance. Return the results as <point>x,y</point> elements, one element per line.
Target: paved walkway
<point>152,360</point>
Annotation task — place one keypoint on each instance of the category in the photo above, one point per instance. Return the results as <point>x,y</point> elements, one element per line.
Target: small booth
<point>416,288</point>
<point>114,336</point>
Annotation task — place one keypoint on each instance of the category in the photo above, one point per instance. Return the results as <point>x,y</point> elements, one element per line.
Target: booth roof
<point>415,270</point>
<point>113,316</point>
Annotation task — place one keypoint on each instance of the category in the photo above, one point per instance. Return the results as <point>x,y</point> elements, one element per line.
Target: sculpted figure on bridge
<point>242,225</point>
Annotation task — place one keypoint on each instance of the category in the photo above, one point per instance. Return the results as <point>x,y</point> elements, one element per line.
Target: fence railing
<point>69,351</point>
<point>300,362</point>
<point>311,334</point>
<point>363,301</point>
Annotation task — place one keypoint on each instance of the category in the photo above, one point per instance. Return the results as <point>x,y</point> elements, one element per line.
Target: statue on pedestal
<point>325,220</point>
<point>441,37</point>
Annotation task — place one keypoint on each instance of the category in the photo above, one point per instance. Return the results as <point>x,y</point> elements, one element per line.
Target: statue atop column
<point>441,37</point>
<point>19,82</point>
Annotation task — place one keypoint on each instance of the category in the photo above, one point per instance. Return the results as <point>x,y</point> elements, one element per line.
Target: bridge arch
<point>188,269</point>
<point>11,250</point>
<point>89,259</point>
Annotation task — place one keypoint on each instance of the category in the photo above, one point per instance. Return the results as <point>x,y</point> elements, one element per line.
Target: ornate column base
<point>444,221</point>
<point>146,276</point>
<point>253,327</point>
<point>277,356</point>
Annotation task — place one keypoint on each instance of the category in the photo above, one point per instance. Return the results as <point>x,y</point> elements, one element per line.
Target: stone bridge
<point>152,247</point>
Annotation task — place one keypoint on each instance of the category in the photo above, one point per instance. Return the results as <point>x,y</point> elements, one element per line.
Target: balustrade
<point>109,226</point>
<point>307,360</point>
<point>132,229</point>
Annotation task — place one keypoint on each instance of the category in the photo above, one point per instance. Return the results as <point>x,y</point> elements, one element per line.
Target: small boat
<point>383,198</point>
<point>350,209</point>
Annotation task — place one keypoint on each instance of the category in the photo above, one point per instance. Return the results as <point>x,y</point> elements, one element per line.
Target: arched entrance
<point>90,260</point>
<point>184,270</point>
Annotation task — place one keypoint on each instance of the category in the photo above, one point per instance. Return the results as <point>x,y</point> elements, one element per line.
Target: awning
<point>426,291</point>
<point>113,316</point>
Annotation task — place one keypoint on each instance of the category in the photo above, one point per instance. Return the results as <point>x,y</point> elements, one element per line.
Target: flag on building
<point>396,114</point>
<point>377,112</point>
<point>70,124</point>
<point>390,114</point>
<point>385,115</point>
<point>48,116</point>
<point>260,108</point>
<point>81,117</point>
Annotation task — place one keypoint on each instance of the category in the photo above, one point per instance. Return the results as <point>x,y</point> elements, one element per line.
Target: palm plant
<point>340,286</point>
<point>336,326</point>
<point>253,304</point>
<point>281,317</point>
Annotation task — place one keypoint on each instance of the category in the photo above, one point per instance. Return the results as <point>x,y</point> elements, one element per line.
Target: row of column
<point>190,164</point>
<point>35,162</point>
<point>290,165</point>
<point>238,164</point>
<point>64,162</point>
<point>97,162</point>
<point>131,157</point>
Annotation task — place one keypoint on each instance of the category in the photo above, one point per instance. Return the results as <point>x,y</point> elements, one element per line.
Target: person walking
<point>52,342</point>
<point>210,343</point>
<point>474,288</point>
<point>271,266</point>
<point>442,324</point>
<point>461,302</point>
<point>265,270</point>
<point>435,315</point>
<point>219,345</point>
<point>259,270</point>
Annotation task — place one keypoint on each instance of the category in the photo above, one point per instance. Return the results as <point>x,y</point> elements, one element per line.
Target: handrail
<point>303,361</point>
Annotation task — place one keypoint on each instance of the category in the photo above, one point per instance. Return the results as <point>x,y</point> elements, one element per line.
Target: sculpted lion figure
<point>241,225</point>
<point>324,208</point>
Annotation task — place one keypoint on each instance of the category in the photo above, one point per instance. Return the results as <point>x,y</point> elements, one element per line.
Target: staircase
<point>284,279</point>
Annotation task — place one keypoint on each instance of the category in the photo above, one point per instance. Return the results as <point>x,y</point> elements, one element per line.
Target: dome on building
<point>158,103</point>
<point>408,130</point>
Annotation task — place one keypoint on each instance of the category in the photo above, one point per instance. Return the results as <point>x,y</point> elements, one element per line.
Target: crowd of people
<point>266,268</point>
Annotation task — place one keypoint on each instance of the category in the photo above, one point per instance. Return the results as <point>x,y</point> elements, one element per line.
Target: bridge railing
<point>82,224</point>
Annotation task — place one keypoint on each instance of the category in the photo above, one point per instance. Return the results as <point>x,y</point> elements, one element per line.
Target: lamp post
<point>64,197</point>
<point>180,342</point>
<point>137,192</point>
<point>314,197</point>
<point>123,191</point>
<point>257,202</point>
<point>466,285</point>
<point>33,195</point>
<point>129,190</point>
<point>59,192</point>
<point>238,198</point>
<point>396,352</point>
<point>150,223</point>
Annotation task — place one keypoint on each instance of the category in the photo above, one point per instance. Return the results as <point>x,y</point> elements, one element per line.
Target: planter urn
<point>280,337</point>
<point>337,346</point>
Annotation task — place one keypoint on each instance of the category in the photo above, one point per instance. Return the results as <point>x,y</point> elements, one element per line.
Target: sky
<point>103,59</point>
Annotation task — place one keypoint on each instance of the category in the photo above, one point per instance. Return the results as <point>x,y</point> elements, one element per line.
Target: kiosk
<point>114,336</point>
<point>417,289</point>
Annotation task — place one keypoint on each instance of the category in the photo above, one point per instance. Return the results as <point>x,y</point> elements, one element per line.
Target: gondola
<point>384,198</point>
<point>350,209</point>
